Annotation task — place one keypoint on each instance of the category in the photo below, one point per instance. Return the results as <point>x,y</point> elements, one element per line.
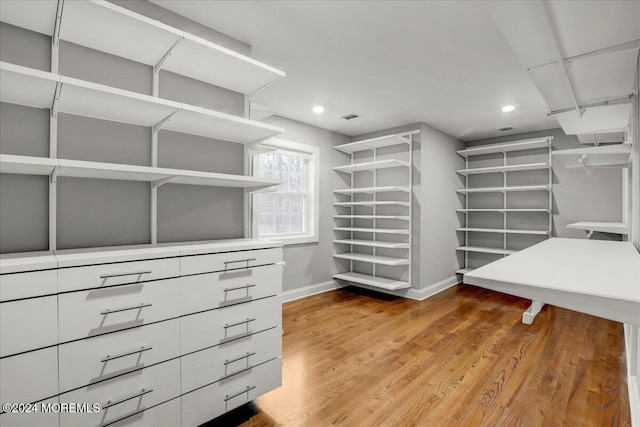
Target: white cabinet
<point>490,206</point>
<point>374,214</point>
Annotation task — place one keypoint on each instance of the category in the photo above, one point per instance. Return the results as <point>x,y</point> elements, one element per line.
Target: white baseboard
<point>417,294</point>
<point>307,291</point>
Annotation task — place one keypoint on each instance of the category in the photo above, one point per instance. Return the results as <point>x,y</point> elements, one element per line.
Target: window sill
<point>292,240</point>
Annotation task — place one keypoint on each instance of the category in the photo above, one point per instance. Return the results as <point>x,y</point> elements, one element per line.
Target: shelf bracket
<point>53,178</point>
<point>261,88</point>
<point>589,233</point>
<point>155,128</point>
<point>162,181</point>
<point>158,66</point>
<point>56,99</point>
<point>582,161</point>
<point>55,38</point>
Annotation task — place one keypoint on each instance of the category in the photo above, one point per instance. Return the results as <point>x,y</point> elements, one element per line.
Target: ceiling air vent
<point>350,116</point>
<point>505,129</point>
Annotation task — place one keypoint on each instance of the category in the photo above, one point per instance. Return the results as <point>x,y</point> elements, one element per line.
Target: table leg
<point>532,312</point>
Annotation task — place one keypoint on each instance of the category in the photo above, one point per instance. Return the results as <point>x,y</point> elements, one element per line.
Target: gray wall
<point>312,263</point>
<point>576,195</point>
<point>108,212</point>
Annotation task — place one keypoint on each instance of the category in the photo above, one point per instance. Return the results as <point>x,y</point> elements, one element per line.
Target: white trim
<point>632,353</point>
<point>307,291</point>
<point>417,294</point>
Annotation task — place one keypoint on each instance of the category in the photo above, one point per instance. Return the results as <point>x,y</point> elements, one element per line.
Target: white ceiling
<point>444,63</point>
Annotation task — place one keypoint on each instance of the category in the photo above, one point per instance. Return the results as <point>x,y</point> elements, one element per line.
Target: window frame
<point>311,234</point>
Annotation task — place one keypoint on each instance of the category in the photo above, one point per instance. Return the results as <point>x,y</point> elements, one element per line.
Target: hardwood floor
<point>460,358</point>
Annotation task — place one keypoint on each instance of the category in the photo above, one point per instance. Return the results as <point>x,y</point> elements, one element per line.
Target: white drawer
<point>213,290</point>
<point>165,414</point>
<point>85,314</point>
<point>209,328</point>
<point>29,377</point>
<point>214,400</point>
<point>215,363</point>
<point>102,275</point>
<point>99,358</point>
<point>228,260</point>
<point>127,395</point>
<point>27,285</point>
<point>33,419</point>
<point>28,324</point>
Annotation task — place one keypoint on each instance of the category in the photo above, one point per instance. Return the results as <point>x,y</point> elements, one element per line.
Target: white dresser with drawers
<point>162,335</point>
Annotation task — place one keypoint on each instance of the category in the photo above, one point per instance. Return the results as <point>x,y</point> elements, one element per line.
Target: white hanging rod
<point>624,100</point>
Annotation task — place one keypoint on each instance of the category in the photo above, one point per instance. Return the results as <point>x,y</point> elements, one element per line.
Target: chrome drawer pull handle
<point>132,273</point>
<point>227,361</point>
<point>133,307</point>
<point>229,325</point>
<point>227,397</point>
<point>239,287</point>
<point>111,403</point>
<point>247,260</point>
<point>128,353</point>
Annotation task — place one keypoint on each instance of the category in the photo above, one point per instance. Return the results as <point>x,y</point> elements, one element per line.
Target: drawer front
<point>215,363</point>
<point>214,400</point>
<point>33,419</point>
<point>165,414</point>
<point>99,358</point>
<point>102,275</point>
<point>28,324</point>
<point>214,290</point>
<point>124,395</point>
<point>214,327</point>
<point>27,285</point>
<point>29,377</point>
<point>228,261</point>
<point>85,314</point>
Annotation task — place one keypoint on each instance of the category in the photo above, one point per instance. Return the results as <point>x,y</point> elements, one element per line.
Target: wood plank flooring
<point>460,358</point>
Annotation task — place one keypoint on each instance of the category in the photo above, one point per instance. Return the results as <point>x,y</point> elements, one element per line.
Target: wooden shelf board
<point>503,231</point>
<point>372,203</point>
<point>529,144</point>
<point>92,24</point>
<point>26,86</point>
<point>509,168</point>
<point>374,259</point>
<point>378,282</point>
<point>612,156</point>
<point>371,166</point>
<point>402,218</point>
<point>601,226</point>
<point>370,144</point>
<point>486,250</point>
<point>372,190</point>
<point>505,189</point>
<point>371,230</point>
<point>373,243</point>
<point>26,165</point>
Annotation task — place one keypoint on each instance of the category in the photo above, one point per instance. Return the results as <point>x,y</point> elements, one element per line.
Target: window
<point>290,213</point>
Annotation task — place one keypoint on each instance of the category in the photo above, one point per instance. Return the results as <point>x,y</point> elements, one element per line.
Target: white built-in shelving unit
<point>138,38</point>
<point>508,151</point>
<point>374,214</point>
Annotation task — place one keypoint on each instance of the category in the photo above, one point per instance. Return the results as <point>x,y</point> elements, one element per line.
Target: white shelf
<point>374,259</point>
<point>371,144</point>
<point>504,231</point>
<point>503,210</point>
<point>371,166</point>
<point>372,190</point>
<point>373,243</point>
<point>112,29</point>
<point>23,86</point>
<point>377,282</point>
<point>96,170</point>
<point>604,227</point>
<point>528,144</point>
<point>372,230</point>
<point>403,218</point>
<point>509,168</point>
<point>603,156</point>
<point>486,250</point>
<point>465,270</point>
<point>505,189</point>
<point>372,203</point>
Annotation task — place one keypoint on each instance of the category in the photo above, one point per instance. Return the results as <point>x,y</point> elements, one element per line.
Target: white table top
<point>592,276</point>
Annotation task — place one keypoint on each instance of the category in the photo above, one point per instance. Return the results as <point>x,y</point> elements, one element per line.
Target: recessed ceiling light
<point>318,109</point>
<point>508,108</point>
